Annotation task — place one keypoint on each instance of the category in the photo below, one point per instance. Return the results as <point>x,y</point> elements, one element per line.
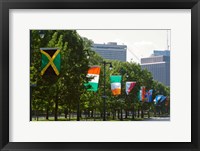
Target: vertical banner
<point>93,83</point>
<point>129,86</point>
<point>116,84</point>
<point>50,61</point>
<point>149,95</point>
<point>158,98</point>
<point>140,95</point>
<point>143,89</point>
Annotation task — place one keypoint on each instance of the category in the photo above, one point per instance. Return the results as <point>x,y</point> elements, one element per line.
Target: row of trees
<point>65,94</point>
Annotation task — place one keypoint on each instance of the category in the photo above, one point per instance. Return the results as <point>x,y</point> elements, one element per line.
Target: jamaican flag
<point>50,61</point>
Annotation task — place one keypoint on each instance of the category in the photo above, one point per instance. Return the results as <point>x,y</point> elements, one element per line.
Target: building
<point>159,65</point>
<point>111,51</point>
<point>161,53</point>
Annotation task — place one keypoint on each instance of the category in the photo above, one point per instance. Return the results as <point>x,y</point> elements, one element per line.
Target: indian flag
<point>93,74</point>
<point>129,86</point>
<point>116,84</point>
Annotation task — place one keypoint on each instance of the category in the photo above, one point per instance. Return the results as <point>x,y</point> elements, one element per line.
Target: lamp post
<point>41,33</point>
<point>104,92</point>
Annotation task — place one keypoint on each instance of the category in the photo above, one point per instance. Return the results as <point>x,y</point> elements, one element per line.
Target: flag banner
<point>163,99</point>
<point>149,95</point>
<point>50,61</point>
<point>93,83</point>
<point>116,84</point>
<point>160,99</point>
<point>143,93</point>
<point>129,87</point>
<point>140,95</point>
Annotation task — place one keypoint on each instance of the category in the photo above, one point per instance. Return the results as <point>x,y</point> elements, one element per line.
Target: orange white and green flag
<point>116,84</point>
<point>93,74</point>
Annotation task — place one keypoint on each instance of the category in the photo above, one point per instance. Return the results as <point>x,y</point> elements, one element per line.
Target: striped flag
<point>93,73</point>
<point>129,86</point>
<point>140,95</point>
<point>143,93</point>
<point>116,84</point>
<point>149,95</point>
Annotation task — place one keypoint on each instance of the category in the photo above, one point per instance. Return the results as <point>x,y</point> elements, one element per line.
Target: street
<point>157,119</point>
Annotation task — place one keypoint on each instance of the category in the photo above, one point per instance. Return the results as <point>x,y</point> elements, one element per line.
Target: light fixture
<point>110,66</point>
<point>41,33</point>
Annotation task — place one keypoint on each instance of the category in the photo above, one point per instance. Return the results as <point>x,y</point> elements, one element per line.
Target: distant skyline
<point>140,43</point>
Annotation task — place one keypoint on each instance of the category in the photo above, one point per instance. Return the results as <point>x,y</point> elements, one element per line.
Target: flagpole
<point>104,92</point>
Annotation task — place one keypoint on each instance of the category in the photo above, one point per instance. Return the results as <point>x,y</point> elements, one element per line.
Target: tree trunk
<point>69,115</point>
<point>78,108</point>
<point>138,113</point>
<point>92,114</point>
<point>114,112</point>
<point>56,110</point>
<point>66,112</point>
<point>37,114</point>
<point>155,112</point>
<point>80,113</point>
<point>126,116</point>
<point>101,114</point>
<point>88,113</point>
<point>142,113</point>
<point>148,114</point>
<point>95,115</point>
<point>47,113</point>
<point>118,114</point>
<point>56,106</point>
<point>133,114</point>
<point>121,114</point>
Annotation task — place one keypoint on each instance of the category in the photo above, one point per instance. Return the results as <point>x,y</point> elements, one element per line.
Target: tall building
<point>111,51</point>
<point>159,65</point>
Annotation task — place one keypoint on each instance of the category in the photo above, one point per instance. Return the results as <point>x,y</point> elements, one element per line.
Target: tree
<point>74,66</point>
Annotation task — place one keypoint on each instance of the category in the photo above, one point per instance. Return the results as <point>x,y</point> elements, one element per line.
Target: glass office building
<point>159,65</point>
<point>111,51</point>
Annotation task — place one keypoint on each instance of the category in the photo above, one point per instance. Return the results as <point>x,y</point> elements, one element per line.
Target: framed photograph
<point>99,75</point>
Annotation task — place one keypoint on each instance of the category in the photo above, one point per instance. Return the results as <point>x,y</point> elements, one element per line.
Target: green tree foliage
<point>68,86</point>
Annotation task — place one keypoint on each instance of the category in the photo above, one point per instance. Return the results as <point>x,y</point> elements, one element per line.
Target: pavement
<point>157,119</point>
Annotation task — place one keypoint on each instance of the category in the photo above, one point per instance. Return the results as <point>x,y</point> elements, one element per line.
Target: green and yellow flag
<point>50,61</point>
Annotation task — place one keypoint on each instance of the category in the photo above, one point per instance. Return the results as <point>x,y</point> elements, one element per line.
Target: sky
<point>140,43</point>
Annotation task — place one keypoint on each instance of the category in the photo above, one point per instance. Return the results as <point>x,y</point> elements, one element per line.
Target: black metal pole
<point>104,97</point>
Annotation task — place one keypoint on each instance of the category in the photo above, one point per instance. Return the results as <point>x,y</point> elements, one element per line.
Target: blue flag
<point>149,95</point>
<point>160,99</point>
